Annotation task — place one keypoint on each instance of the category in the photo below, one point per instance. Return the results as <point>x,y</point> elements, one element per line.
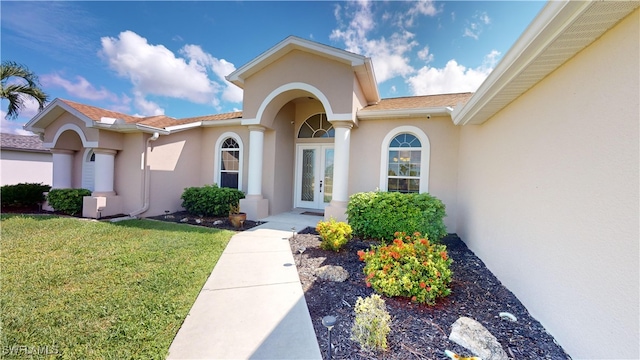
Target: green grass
<point>84,289</point>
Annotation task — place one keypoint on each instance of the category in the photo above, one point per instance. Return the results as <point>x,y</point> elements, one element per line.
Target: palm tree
<point>16,91</point>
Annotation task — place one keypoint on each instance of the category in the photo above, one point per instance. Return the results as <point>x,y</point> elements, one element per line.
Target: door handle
<point>320,185</point>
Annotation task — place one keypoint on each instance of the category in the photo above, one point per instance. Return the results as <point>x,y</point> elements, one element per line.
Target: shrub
<point>23,194</point>
<point>67,201</point>
<point>371,325</point>
<point>210,200</point>
<point>334,234</point>
<point>377,214</point>
<point>410,266</point>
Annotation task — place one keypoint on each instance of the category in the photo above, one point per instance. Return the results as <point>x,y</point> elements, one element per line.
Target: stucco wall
<point>25,167</point>
<point>278,162</point>
<point>174,162</point>
<point>128,172</point>
<point>366,143</point>
<point>548,197</point>
<point>332,78</point>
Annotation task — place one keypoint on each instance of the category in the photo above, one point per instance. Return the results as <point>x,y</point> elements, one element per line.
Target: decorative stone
<point>471,335</point>
<point>184,220</point>
<point>332,273</point>
<point>218,222</point>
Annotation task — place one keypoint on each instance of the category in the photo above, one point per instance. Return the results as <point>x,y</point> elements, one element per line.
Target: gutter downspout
<point>146,180</point>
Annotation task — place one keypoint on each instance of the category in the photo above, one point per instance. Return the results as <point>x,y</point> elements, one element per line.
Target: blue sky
<point>154,57</point>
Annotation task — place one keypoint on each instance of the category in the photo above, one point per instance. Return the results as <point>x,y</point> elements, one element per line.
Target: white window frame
<point>424,156</point>
<point>217,175</point>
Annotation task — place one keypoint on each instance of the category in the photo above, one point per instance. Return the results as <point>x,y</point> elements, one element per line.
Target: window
<point>405,161</point>
<point>316,126</point>
<point>229,161</point>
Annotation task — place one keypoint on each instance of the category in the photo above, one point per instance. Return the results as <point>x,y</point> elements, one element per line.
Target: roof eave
<point>554,20</point>
<point>404,113</point>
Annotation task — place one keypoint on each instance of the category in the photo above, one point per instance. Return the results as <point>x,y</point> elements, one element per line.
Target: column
<point>104,172</point>
<point>256,150</point>
<point>254,205</point>
<point>62,168</point>
<point>338,206</point>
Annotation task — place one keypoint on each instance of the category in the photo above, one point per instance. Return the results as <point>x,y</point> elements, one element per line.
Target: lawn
<point>84,289</point>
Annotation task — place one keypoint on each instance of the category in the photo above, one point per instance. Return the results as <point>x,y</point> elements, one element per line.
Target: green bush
<point>334,234</point>
<point>67,201</point>
<point>411,267</point>
<point>23,194</point>
<point>210,200</point>
<point>377,214</point>
<point>371,325</point>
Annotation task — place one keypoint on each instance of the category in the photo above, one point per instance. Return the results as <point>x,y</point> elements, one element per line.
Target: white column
<point>342,143</point>
<point>338,206</point>
<point>256,150</point>
<point>62,168</point>
<point>104,169</point>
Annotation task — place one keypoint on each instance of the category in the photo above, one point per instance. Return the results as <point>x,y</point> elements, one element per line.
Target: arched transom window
<point>230,163</point>
<point>316,126</point>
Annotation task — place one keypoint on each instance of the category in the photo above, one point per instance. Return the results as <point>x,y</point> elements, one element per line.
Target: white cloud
<point>220,68</point>
<point>390,56</point>
<point>475,26</point>
<point>146,107</point>
<point>81,88</point>
<point>156,70</point>
<point>425,55</point>
<point>452,78</point>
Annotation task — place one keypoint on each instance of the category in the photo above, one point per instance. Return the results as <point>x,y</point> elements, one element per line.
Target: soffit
<point>559,32</point>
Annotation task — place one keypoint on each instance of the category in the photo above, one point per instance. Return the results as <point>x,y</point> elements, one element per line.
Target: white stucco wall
<point>548,197</point>
<point>25,167</point>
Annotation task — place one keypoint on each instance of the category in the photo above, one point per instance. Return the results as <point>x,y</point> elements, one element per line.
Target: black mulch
<point>184,217</point>
<point>417,331</point>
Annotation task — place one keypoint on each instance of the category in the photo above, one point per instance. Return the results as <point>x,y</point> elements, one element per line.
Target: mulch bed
<point>184,217</point>
<point>417,331</point>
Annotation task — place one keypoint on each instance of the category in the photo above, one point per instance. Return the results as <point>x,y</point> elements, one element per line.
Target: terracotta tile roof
<point>157,121</point>
<point>96,113</point>
<point>22,142</point>
<point>416,102</point>
<point>214,117</point>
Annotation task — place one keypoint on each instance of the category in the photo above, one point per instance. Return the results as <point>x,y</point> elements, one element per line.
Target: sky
<point>148,58</point>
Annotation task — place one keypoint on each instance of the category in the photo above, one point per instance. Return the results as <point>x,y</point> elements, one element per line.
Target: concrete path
<point>252,306</point>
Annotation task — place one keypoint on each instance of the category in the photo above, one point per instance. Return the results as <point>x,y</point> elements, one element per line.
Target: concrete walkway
<point>252,306</point>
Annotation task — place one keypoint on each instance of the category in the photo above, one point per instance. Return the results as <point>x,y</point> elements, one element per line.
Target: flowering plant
<point>334,234</point>
<point>410,266</point>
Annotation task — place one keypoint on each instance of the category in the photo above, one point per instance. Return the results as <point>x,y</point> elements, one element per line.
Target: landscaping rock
<point>332,273</point>
<point>476,338</point>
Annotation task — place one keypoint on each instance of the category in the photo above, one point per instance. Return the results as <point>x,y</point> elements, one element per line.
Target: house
<point>24,159</point>
<point>538,169</point>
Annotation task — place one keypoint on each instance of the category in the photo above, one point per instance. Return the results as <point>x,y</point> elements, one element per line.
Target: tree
<point>17,91</point>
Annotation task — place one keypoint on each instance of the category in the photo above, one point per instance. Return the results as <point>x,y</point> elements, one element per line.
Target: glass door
<point>314,176</point>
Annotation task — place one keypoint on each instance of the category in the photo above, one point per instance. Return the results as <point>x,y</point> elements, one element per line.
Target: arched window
<point>405,161</point>
<point>229,163</point>
<point>316,126</point>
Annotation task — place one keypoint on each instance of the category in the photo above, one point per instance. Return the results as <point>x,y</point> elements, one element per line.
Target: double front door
<point>314,176</point>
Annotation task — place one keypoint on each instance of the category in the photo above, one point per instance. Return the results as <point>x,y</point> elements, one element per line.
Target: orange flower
<point>423,285</point>
<point>414,299</point>
<point>443,255</point>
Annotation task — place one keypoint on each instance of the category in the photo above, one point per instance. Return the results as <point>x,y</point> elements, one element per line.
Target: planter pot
<point>237,220</point>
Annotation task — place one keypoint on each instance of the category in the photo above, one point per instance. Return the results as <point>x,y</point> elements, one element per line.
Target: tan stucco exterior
<point>548,197</point>
<point>541,183</point>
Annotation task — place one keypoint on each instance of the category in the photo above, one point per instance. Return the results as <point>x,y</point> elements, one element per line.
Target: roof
<point>28,143</point>
<point>415,102</point>
<point>560,31</point>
